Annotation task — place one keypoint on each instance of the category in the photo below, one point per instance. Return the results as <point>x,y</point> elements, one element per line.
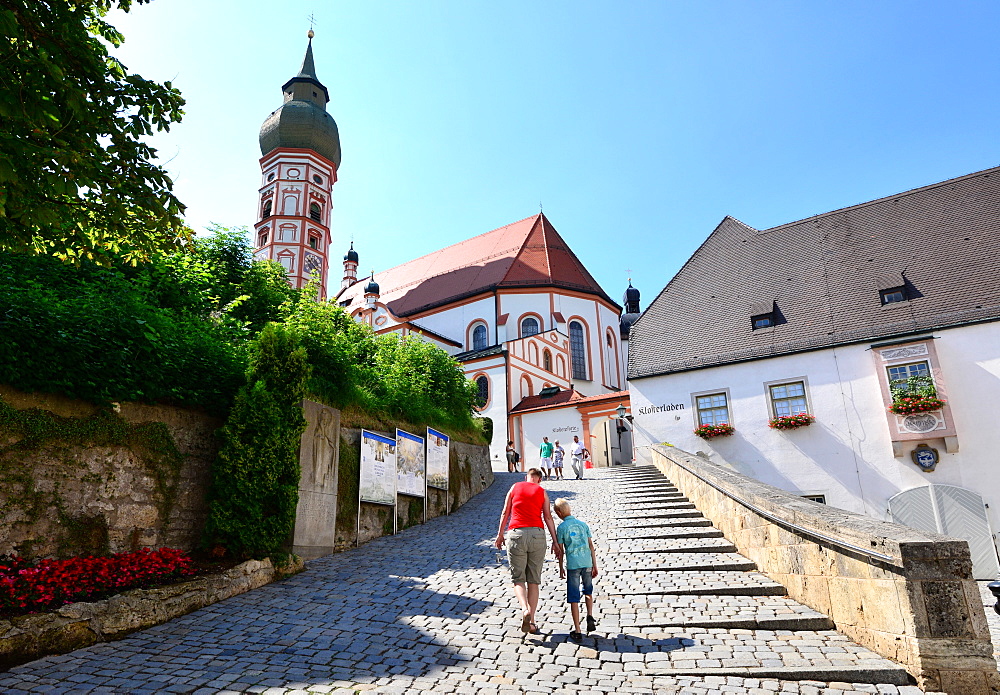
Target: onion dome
<point>302,121</point>
<point>631,299</point>
<point>372,286</point>
<point>352,255</point>
<point>625,324</point>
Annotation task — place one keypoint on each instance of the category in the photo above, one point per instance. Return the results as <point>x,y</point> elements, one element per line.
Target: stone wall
<point>917,605</point>
<point>63,499</point>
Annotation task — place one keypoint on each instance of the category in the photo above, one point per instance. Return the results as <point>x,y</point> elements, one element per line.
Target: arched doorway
<point>953,511</point>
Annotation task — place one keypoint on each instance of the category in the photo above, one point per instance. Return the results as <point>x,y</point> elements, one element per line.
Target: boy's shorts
<point>576,577</point>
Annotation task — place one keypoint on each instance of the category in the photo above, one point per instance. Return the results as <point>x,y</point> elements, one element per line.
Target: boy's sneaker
<point>591,623</point>
<point>575,636</point>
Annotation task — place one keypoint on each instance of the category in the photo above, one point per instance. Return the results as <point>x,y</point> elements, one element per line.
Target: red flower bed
<point>27,587</point>
<point>907,405</point>
<point>723,429</point>
<point>790,422</point>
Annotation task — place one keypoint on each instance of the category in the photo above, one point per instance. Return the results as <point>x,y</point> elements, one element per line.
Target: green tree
<point>255,477</point>
<point>76,179</point>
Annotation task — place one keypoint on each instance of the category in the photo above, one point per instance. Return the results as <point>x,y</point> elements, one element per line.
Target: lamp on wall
<point>620,410</point>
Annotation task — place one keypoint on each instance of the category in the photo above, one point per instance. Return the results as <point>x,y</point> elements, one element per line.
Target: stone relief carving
<point>903,352</point>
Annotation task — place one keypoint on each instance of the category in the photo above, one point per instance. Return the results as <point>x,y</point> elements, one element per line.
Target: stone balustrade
<point>903,593</point>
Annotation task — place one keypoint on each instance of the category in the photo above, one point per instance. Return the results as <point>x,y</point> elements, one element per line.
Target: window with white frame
<point>899,373</point>
<point>713,409</point>
<point>788,399</point>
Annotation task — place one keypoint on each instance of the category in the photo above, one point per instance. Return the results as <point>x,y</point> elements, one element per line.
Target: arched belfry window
<point>483,390</point>
<point>267,210</point>
<point>529,326</point>
<point>578,350</point>
<point>479,337</point>
<point>547,361</point>
<point>315,212</point>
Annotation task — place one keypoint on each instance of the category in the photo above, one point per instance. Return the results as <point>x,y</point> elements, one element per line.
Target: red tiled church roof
<point>527,253</point>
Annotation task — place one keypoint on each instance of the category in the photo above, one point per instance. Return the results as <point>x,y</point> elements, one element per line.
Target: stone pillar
<point>319,455</point>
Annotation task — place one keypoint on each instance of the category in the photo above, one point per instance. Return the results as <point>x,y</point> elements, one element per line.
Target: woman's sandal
<point>534,629</point>
<point>526,623</point>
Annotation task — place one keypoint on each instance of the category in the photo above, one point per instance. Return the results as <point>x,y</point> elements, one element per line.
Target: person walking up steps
<point>578,452</point>
<point>581,565</point>
<point>527,510</point>
<point>545,452</point>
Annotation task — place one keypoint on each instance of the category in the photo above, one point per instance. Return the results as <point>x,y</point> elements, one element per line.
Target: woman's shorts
<point>526,552</point>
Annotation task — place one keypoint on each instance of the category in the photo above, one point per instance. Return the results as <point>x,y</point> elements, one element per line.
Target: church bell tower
<point>300,148</point>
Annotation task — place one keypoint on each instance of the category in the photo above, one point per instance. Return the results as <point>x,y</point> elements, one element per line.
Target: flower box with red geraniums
<point>27,587</point>
<point>907,405</point>
<point>791,422</point>
<point>723,429</point>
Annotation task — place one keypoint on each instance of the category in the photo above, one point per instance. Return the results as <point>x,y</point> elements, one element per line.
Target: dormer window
<point>762,321</point>
<point>893,295</point>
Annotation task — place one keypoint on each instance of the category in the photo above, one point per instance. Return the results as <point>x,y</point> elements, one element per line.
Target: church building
<point>515,306</point>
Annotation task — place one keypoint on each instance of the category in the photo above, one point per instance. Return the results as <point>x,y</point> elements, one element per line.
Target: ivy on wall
<point>255,477</point>
<point>28,431</point>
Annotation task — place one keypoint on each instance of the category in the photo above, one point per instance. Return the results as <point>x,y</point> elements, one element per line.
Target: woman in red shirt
<point>527,509</point>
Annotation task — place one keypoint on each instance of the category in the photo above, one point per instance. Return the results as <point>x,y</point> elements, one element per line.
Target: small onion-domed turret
<point>631,312</point>
<point>372,287</point>
<point>352,255</point>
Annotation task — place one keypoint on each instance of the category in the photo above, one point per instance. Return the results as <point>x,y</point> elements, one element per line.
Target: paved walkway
<point>430,610</point>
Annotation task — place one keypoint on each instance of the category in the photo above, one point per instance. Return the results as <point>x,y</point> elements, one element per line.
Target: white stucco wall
<point>559,424</point>
<point>847,453</point>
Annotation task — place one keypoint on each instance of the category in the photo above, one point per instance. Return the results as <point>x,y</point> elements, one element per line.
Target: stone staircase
<point>670,578</point>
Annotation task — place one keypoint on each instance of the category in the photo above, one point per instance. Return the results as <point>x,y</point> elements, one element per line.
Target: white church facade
<point>515,306</point>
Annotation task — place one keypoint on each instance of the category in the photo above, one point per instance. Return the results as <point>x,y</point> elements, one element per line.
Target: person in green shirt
<point>545,451</point>
<point>580,555</point>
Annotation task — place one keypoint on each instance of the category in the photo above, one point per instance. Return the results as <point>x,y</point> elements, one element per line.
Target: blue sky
<point>637,125</point>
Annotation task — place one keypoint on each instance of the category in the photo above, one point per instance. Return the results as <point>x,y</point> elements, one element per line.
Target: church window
<point>315,212</point>
<point>313,241</point>
<point>547,361</point>
<point>713,409</point>
<point>482,391</point>
<point>267,210</point>
<point>479,337</point>
<point>270,177</point>
<point>262,237</point>
<point>318,179</point>
<point>578,350</point>
<point>529,326</point>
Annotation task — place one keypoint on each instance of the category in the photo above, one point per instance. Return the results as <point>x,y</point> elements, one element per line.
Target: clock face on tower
<point>313,263</point>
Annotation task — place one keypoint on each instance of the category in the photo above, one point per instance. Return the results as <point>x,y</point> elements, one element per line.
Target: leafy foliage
<point>254,488</point>
<point>76,178</point>
<point>93,333</point>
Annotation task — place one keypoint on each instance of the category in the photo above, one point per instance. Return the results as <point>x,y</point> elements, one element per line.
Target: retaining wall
<point>917,604</point>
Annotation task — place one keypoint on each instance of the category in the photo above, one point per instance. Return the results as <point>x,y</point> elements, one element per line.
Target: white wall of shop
<point>846,454</point>
<point>557,424</point>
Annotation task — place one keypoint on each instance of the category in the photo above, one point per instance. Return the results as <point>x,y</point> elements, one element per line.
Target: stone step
<point>639,534</point>
<point>667,545</point>
<point>821,655</point>
<point>655,507</point>
<point>888,675</point>
<point>679,562</point>
<point>676,513</point>
<point>632,502</point>
<point>627,613</point>
<point>690,521</point>
<point>651,485</point>
<point>693,582</point>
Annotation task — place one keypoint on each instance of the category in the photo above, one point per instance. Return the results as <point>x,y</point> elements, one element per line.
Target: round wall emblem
<point>925,457</point>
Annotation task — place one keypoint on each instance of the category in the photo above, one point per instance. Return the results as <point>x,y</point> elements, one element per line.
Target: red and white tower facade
<point>300,145</point>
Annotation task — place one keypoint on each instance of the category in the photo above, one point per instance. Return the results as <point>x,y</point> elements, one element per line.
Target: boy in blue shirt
<point>581,565</point>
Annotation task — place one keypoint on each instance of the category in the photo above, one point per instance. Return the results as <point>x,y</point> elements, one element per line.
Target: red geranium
<point>907,405</point>
<point>27,587</point>
<point>723,429</point>
<point>790,422</point>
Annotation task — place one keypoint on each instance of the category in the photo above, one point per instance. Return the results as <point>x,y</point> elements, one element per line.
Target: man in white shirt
<point>578,452</point>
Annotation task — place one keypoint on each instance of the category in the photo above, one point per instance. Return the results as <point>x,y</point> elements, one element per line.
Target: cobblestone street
<point>430,610</point>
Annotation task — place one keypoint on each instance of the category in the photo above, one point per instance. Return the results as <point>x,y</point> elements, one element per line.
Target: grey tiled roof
<point>476,354</point>
<point>823,276</point>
